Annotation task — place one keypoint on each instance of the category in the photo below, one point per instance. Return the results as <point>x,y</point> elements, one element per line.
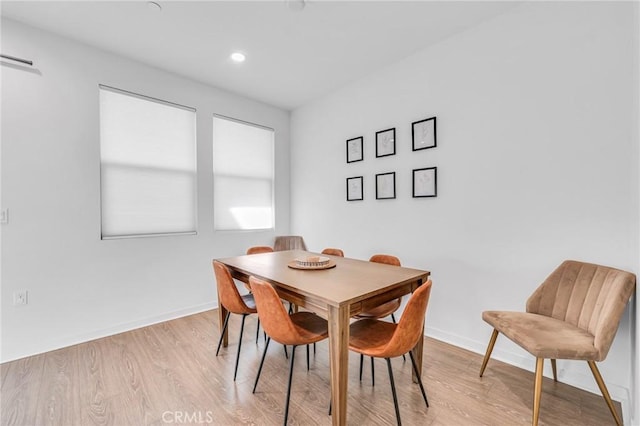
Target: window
<point>242,175</point>
<point>147,165</point>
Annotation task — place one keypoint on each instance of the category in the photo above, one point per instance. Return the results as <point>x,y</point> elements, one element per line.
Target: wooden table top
<point>350,281</point>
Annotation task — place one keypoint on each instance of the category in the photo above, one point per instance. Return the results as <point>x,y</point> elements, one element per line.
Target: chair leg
<point>286,354</point>
<point>224,328</point>
<point>264,354</point>
<point>307,357</point>
<point>373,374</point>
<point>555,370</point>
<point>487,355</point>
<point>605,392</point>
<point>415,370</point>
<point>286,406</point>
<point>537,391</point>
<point>393,391</point>
<point>235,371</point>
<point>258,330</point>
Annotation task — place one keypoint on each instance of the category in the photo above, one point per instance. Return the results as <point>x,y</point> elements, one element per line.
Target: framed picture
<point>425,182</point>
<point>423,134</point>
<point>385,186</point>
<point>386,142</point>
<point>354,149</point>
<point>354,188</point>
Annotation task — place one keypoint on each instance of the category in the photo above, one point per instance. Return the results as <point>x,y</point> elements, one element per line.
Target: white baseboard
<point>66,341</point>
<point>581,381</point>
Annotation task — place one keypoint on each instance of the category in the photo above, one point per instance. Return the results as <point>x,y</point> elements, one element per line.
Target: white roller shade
<point>243,171</point>
<point>148,165</point>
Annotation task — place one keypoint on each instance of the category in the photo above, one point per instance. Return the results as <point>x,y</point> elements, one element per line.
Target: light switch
<point>4,216</point>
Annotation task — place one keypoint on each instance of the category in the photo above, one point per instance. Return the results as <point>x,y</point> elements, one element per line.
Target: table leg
<point>339,361</point>
<point>222,313</point>
<point>417,355</point>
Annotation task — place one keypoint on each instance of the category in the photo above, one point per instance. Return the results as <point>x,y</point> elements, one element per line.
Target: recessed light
<point>152,5</point>
<point>238,57</point>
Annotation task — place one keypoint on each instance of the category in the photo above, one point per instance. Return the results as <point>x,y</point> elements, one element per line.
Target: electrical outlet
<point>20,297</point>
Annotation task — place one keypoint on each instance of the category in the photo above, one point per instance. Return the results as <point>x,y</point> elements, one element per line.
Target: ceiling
<point>293,56</point>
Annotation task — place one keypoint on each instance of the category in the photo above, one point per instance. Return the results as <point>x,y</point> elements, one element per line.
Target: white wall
<point>79,286</point>
<point>537,162</point>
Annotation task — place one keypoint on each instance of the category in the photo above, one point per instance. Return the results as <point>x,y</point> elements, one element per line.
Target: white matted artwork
<point>386,186</point>
<point>355,149</point>
<point>423,134</point>
<point>354,188</point>
<point>425,182</point>
<point>386,142</point>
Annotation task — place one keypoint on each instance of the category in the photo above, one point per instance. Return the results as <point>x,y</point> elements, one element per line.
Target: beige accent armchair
<point>574,314</point>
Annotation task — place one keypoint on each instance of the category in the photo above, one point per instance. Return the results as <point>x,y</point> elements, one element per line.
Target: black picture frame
<point>386,142</point>
<point>355,149</point>
<point>423,134</point>
<point>386,186</point>
<point>425,182</point>
<point>355,190</point>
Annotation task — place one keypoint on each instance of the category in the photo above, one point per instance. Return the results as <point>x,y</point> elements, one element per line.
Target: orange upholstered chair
<point>381,339</point>
<point>230,298</point>
<point>300,328</point>
<point>574,314</point>
<point>333,252</point>
<point>383,310</point>
<point>259,249</point>
<point>387,308</point>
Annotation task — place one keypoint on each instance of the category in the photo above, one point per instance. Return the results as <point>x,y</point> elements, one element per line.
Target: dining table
<point>336,292</point>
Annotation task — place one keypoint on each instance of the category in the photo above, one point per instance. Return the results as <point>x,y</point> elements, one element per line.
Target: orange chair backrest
<point>259,249</point>
<point>228,292</point>
<point>333,252</point>
<point>411,323</point>
<point>385,258</point>
<point>274,318</point>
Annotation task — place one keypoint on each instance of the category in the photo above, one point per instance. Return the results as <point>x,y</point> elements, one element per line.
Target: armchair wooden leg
<point>487,355</point>
<point>537,391</point>
<point>555,371</point>
<point>605,392</point>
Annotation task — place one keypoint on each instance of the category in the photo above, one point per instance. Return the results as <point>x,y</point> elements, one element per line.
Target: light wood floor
<point>169,374</point>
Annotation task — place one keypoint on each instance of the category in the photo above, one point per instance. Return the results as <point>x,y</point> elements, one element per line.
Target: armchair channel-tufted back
<point>588,296</point>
